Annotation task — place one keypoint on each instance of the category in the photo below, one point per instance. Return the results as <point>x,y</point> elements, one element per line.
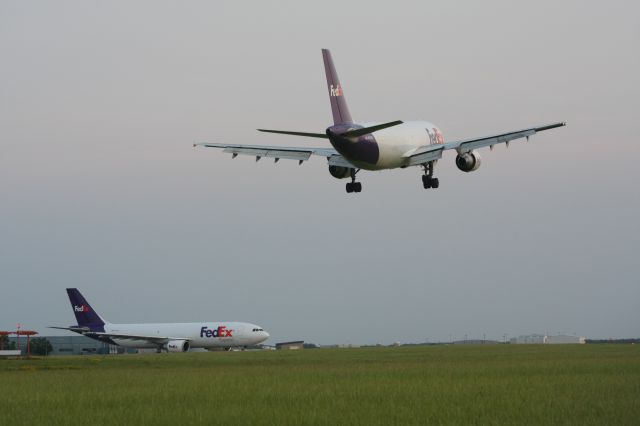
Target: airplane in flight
<point>171,337</point>
<point>377,146</point>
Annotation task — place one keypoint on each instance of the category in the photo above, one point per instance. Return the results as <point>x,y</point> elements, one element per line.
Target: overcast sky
<point>101,189</point>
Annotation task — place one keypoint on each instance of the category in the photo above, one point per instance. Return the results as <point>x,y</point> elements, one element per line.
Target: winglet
<point>550,126</point>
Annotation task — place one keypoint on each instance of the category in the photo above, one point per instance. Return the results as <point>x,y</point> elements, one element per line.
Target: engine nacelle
<point>339,172</point>
<point>178,346</point>
<point>469,161</point>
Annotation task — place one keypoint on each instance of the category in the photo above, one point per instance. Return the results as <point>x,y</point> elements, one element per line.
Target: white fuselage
<point>199,334</point>
<point>397,143</point>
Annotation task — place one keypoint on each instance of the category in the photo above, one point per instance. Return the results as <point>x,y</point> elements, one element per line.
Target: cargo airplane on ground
<point>377,146</point>
<point>172,337</point>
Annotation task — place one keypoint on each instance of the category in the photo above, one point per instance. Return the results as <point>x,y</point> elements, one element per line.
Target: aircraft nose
<point>266,335</point>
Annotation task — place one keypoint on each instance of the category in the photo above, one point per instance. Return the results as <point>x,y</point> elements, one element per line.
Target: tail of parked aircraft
<point>339,107</point>
<point>85,315</point>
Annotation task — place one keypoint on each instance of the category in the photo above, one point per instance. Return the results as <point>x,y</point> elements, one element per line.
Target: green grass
<point>493,384</point>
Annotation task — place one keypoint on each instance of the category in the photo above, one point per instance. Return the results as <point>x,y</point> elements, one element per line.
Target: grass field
<point>492,384</point>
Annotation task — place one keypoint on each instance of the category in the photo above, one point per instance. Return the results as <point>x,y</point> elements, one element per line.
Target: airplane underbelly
<point>216,343</point>
<point>393,145</point>
<point>126,343</point>
<point>372,154</point>
<point>390,157</point>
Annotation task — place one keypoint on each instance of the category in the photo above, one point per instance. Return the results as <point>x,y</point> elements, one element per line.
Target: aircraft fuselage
<point>199,334</point>
<point>386,149</point>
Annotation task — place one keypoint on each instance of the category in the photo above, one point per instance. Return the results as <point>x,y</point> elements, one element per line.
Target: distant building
<point>75,345</point>
<point>474,342</point>
<point>529,339</point>
<point>560,339</point>
<point>549,340</point>
<point>299,344</point>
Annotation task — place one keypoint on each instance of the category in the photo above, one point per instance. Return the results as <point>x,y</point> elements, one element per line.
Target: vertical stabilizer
<point>339,107</point>
<point>85,315</point>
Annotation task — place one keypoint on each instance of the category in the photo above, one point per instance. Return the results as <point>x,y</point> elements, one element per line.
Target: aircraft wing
<point>471,144</point>
<point>278,152</point>
<point>157,340</point>
<point>433,152</point>
<point>425,154</point>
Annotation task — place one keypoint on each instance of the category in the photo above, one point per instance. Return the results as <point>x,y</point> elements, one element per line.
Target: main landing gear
<point>428,181</point>
<point>354,186</point>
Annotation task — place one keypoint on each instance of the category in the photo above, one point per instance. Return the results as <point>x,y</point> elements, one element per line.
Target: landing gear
<point>428,181</point>
<point>354,186</point>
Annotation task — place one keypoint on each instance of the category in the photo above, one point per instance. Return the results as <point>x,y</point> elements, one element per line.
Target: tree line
<point>38,345</point>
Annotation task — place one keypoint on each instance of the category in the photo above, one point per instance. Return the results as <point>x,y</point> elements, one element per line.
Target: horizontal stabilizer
<point>285,132</point>
<point>366,130</point>
<point>74,329</point>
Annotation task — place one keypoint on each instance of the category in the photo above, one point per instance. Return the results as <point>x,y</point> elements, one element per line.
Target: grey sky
<point>100,188</point>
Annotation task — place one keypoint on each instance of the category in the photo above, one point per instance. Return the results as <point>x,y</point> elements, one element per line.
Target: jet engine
<point>469,161</point>
<point>178,346</point>
<point>339,172</point>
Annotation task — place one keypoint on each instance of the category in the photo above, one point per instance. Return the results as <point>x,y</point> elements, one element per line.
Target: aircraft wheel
<point>357,187</point>
<point>349,188</point>
<point>426,182</point>
<point>435,183</point>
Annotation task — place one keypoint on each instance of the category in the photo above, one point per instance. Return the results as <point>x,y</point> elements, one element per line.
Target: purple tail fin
<point>85,315</point>
<point>336,95</point>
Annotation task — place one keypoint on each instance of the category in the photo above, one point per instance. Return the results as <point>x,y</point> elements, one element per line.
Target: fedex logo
<point>221,331</point>
<point>81,308</point>
<point>336,91</point>
<point>435,136</point>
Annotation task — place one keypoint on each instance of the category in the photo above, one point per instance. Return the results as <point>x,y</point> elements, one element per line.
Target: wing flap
<point>489,141</point>
<point>339,160</point>
<point>426,154</point>
<point>277,152</point>
<point>272,153</point>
